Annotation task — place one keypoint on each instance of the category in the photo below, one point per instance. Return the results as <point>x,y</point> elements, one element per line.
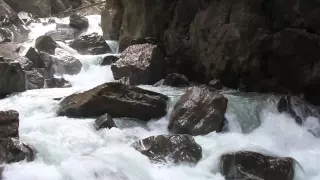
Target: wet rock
<point>46,44</point>
<point>79,22</point>
<point>108,60</point>
<point>198,112</point>
<point>12,77</point>
<point>35,79</point>
<point>67,65</point>
<point>37,7</point>
<point>90,44</point>
<point>9,124</point>
<point>176,80</point>
<point>216,84</point>
<point>34,56</point>
<point>12,150</point>
<point>285,106</point>
<point>176,148</point>
<point>142,64</point>
<point>111,19</point>
<point>117,100</point>
<point>57,83</point>
<point>106,121</point>
<point>25,63</point>
<point>252,166</point>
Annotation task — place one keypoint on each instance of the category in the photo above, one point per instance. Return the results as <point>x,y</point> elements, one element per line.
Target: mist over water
<point>71,149</point>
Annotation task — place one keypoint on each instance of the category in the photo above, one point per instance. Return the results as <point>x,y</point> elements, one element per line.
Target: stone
<point>57,83</point>
<point>175,148</point>
<point>285,106</point>
<point>111,20</point>
<point>25,63</point>
<point>66,65</point>
<point>36,7</point>
<point>46,44</point>
<point>176,80</point>
<point>35,79</point>
<point>142,64</point>
<point>34,56</point>
<point>253,165</point>
<point>215,83</point>
<point>198,112</point>
<point>108,60</point>
<point>106,121</point>
<point>61,34</point>
<point>90,44</point>
<point>12,150</point>
<point>117,100</point>
<point>9,124</point>
<point>79,22</point>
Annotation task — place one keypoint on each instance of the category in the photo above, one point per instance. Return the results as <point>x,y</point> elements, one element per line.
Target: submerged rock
<point>199,111</point>
<point>57,83</point>
<point>108,60</point>
<point>142,64</point>
<point>90,44</point>
<point>35,79</point>
<point>12,150</point>
<point>106,121</point>
<point>9,124</point>
<point>176,148</point>
<point>46,44</point>
<point>253,166</point>
<point>117,100</point>
<point>78,21</point>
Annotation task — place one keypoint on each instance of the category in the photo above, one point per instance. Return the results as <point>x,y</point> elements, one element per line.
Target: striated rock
<point>142,64</point>
<point>198,112</point>
<point>35,58</point>
<point>117,100</point>
<point>46,44</point>
<point>108,60</point>
<point>9,124</point>
<point>252,166</point>
<point>78,21</point>
<point>111,20</point>
<point>176,80</point>
<point>106,121</point>
<point>90,44</point>
<point>57,83</point>
<point>35,79</point>
<point>12,150</point>
<point>176,148</point>
<point>12,77</point>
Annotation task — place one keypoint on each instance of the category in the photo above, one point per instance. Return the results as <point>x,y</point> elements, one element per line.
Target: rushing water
<point>71,149</point>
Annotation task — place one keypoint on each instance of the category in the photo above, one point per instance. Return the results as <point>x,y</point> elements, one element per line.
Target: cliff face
<point>255,45</point>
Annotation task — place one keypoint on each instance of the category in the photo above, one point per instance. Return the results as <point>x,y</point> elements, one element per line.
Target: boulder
<point>108,60</point>
<point>117,100</point>
<point>142,64</point>
<point>111,19</point>
<point>12,77</point>
<point>46,44</point>
<point>198,112</point>
<point>9,124</point>
<point>176,80</point>
<point>79,22</point>
<point>25,63</point>
<point>90,44</point>
<point>34,56</point>
<point>175,148</point>
<point>35,79</point>
<point>12,150</point>
<point>106,121</point>
<point>253,165</point>
<point>215,84</point>
<point>57,83</point>
<point>66,65</point>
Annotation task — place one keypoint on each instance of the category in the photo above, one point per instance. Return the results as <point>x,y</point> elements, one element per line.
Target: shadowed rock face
<point>176,148</point>
<point>252,166</point>
<point>118,100</point>
<point>46,44</point>
<point>9,124</point>
<point>78,22</point>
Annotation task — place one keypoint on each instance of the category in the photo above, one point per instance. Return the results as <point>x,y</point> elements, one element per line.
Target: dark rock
<point>176,80</point>
<point>46,44</point>
<point>176,148</point>
<point>36,7</point>
<point>252,166</point>
<point>111,19</point>
<point>9,124</point>
<point>5,35</point>
<point>285,106</point>
<point>108,60</point>
<point>34,56</point>
<point>7,15</point>
<point>90,44</point>
<point>12,150</point>
<point>198,112</point>
<point>142,64</point>
<point>216,84</point>
<point>35,79</point>
<point>12,77</point>
<point>106,121</point>
<point>78,21</point>
<point>117,100</point>
<point>57,83</point>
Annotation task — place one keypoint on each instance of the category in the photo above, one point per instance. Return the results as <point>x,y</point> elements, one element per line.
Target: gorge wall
<point>253,45</point>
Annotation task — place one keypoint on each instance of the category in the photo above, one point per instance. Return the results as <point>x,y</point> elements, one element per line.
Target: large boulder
<point>253,165</point>
<point>46,44</point>
<point>111,20</point>
<point>35,79</point>
<point>12,150</point>
<point>141,63</point>
<point>79,22</point>
<point>106,121</point>
<point>198,112</point>
<point>175,148</point>
<point>90,44</point>
<point>9,124</point>
<point>12,77</point>
<point>117,100</point>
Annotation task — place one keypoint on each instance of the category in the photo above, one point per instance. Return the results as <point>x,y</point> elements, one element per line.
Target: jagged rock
<point>106,121</point>
<point>285,106</point>
<point>35,79</point>
<point>34,56</point>
<point>12,77</point>
<point>198,112</point>
<point>117,100</point>
<point>12,150</point>
<point>176,80</point>
<point>176,148</point>
<point>57,83</point>
<point>108,60</point>
<point>142,64</point>
<point>252,166</point>
<point>9,124</point>
<point>46,44</point>
<point>90,44</point>
<point>78,21</point>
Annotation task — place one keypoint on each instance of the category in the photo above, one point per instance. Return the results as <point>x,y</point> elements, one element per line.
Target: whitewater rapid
<point>71,149</point>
